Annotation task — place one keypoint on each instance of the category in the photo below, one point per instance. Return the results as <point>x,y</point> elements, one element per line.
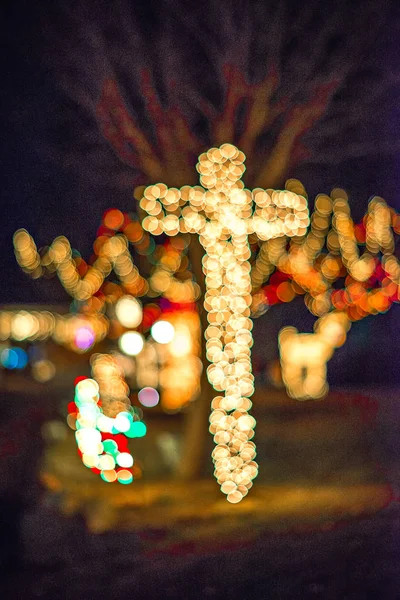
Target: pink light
<point>149,397</point>
<point>84,337</point>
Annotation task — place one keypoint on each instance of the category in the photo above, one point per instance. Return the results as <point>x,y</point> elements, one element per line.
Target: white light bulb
<point>131,343</point>
<point>129,311</point>
<point>124,459</point>
<point>163,332</point>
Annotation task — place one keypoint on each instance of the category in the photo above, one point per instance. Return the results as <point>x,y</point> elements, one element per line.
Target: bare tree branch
<point>278,79</point>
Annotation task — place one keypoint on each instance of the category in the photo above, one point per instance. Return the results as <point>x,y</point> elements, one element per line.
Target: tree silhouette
<point>289,84</point>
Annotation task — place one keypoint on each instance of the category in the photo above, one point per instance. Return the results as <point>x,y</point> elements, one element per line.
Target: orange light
<point>113,219</point>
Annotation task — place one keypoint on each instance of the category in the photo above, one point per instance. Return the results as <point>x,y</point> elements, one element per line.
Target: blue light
<point>9,358</point>
<point>14,358</point>
<point>22,358</point>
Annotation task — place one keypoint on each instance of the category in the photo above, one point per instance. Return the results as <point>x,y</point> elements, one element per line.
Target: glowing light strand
<point>104,426</point>
<point>224,214</point>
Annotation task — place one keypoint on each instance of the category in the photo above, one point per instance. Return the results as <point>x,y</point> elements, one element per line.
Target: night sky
<point>45,192</point>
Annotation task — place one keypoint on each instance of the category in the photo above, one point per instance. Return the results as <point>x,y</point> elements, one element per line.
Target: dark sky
<point>44,193</point>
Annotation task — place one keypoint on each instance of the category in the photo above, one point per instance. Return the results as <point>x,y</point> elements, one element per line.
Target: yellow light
<point>304,355</point>
<point>106,462</point>
<point>224,214</point>
<point>129,311</point>
<point>131,343</point>
<point>181,344</point>
<point>163,332</point>
<point>43,370</point>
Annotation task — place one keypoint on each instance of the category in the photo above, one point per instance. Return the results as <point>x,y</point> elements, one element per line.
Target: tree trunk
<point>196,419</point>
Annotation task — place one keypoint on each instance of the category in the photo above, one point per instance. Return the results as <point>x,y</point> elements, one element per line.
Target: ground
<point>322,520</point>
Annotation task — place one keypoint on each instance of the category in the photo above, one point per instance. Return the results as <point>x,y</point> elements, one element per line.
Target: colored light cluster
<point>104,426</point>
<point>80,280</point>
<point>94,298</point>
<point>167,359</point>
<point>330,253</point>
<point>224,214</point>
<point>87,284</point>
<point>313,265</point>
<point>249,265</point>
<point>304,355</point>
<point>76,332</point>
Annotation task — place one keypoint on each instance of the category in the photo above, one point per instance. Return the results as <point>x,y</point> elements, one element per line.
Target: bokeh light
<point>102,428</point>
<point>131,342</point>
<point>179,364</point>
<point>258,253</point>
<point>219,217</point>
<point>84,337</point>
<point>163,332</point>
<point>43,370</point>
<point>224,215</point>
<point>149,397</point>
<point>304,355</point>
<point>13,358</point>
<point>129,311</point>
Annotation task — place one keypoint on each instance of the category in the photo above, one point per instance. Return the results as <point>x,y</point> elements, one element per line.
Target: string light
<point>304,355</point>
<point>236,227</point>
<point>77,332</point>
<point>100,423</point>
<point>224,214</point>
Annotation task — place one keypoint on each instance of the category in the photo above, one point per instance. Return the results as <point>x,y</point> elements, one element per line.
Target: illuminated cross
<point>304,356</point>
<point>223,213</point>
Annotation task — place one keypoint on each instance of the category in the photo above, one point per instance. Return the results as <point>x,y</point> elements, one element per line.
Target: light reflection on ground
<point>320,463</point>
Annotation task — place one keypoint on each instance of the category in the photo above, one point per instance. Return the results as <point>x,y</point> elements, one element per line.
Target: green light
<point>137,429</point>
<point>125,481</point>
<point>110,446</point>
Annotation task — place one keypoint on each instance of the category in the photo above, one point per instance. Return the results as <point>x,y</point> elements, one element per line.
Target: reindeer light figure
<point>223,213</point>
<point>304,355</point>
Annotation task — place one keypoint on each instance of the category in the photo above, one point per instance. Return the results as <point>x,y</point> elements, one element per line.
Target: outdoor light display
<point>224,214</point>
<point>113,309</point>
<point>329,254</point>
<point>80,280</point>
<point>370,282</point>
<point>304,355</point>
<point>86,282</point>
<point>261,248</point>
<point>77,332</point>
<point>104,419</point>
